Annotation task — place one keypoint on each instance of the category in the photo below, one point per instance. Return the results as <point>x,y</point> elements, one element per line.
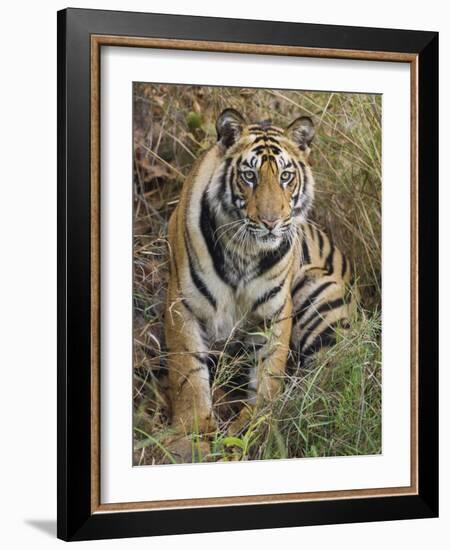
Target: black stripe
<point>326,338</point>
<point>232,180</point>
<point>296,190</point>
<point>186,305</point>
<point>306,258</point>
<point>303,169</point>
<point>267,296</point>
<point>223,177</point>
<point>309,331</point>
<point>260,138</point>
<point>272,257</point>
<point>259,149</point>
<point>269,140</point>
<point>215,249</point>
<point>198,281</point>
<point>325,307</point>
<point>306,197</point>
<point>188,375</point>
<point>309,301</point>
<point>320,237</point>
<point>278,311</point>
<point>298,286</point>
<point>201,286</point>
<point>266,356</point>
<point>329,260</point>
<point>200,322</point>
<point>239,183</point>
<point>222,194</point>
<point>277,274</point>
<point>330,306</point>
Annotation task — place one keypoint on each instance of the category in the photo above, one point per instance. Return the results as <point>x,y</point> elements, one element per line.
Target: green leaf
<point>231,441</point>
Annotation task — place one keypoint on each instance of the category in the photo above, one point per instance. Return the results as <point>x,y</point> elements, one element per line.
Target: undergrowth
<point>333,409</point>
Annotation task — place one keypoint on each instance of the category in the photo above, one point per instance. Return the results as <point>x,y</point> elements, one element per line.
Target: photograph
<point>256,274</point>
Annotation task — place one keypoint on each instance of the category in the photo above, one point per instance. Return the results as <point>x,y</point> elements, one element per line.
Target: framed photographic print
<point>247,274</point>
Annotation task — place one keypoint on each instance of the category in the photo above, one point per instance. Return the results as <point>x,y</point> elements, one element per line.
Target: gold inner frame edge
<point>97,41</point>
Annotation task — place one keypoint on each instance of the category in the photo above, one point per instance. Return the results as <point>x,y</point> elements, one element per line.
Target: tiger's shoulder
<point>319,251</point>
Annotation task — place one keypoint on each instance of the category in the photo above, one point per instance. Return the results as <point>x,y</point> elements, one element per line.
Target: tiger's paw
<point>185,422</point>
<point>187,450</point>
<point>242,421</point>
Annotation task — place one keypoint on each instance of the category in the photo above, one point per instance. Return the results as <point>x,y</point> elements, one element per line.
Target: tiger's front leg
<point>272,357</point>
<point>189,386</point>
<point>266,380</point>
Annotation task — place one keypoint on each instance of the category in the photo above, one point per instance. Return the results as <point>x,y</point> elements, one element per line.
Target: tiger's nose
<point>271,222</point>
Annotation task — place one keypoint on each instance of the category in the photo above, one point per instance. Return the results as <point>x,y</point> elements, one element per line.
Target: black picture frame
<point>75,518</point>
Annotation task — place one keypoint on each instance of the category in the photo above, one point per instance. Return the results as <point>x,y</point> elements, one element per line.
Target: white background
<point>120,482</point>
<point>28,279</point>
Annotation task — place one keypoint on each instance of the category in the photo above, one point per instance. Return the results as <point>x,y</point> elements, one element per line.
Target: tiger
<point>243,255</point>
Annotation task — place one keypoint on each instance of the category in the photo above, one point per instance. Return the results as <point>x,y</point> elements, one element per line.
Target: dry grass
<point>327,411</point>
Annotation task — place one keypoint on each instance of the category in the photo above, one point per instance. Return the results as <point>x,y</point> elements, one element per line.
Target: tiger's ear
<point>229,127</point>
<point>301,131</point>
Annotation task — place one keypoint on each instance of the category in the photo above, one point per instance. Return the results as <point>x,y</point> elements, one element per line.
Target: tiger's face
<point>268,180</point>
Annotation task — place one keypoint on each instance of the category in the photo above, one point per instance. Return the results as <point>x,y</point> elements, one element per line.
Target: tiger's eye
<point>286,176</point>
<point>249,177</point>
